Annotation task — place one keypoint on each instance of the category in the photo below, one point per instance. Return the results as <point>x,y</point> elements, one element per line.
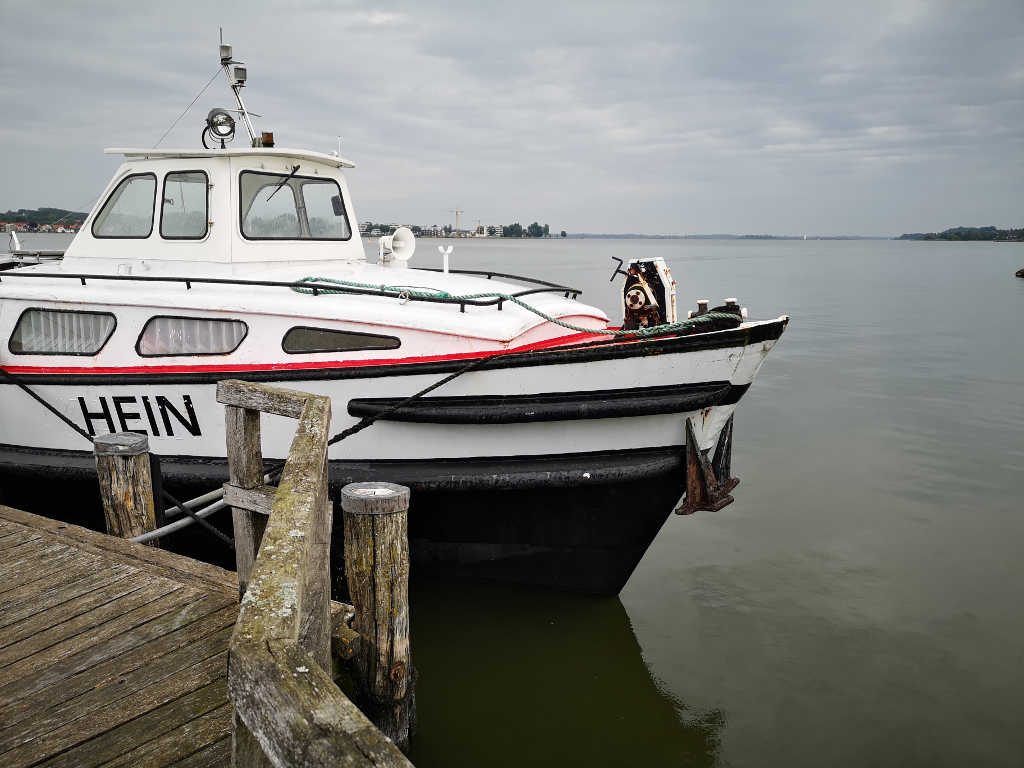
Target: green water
<point>860,602</point>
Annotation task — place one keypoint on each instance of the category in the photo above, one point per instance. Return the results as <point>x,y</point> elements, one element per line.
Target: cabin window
<point>166,336</point>
<point>128,212</point>
<point>184,214</point>
<point>60,332</point>
<point>276,206</point>
<point>301,339</point>
<point>324,211</point>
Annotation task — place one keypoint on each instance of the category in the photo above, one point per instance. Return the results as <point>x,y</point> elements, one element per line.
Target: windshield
<point>278,206</point>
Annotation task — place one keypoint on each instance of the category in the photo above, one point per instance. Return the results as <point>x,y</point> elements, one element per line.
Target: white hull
<point>184,419</point>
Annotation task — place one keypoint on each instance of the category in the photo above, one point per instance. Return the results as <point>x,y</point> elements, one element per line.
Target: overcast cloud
<point>816,117</point>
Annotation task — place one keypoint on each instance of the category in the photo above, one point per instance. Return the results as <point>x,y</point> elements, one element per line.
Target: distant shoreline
<point>970,234</point>
<point>634,236</point>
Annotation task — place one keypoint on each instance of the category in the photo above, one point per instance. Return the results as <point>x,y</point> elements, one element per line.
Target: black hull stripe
<point>554,406</point>
<point>433,475</point>
<point>581,353</point>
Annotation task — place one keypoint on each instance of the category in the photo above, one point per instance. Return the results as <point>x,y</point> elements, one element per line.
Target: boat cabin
<point>221,258</point>
<point>226,206</point>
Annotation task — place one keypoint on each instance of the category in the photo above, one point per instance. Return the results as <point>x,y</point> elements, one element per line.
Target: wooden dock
<point>120,654</point>
<point>111,653</point>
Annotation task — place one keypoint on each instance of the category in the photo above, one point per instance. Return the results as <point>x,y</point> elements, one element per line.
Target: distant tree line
<point>968,233</point>
<point>534,230</point>
<point>509,230</point>
<point>40,216</point>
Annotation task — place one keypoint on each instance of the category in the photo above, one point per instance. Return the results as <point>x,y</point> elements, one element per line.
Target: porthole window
<point>59,332</point>
<point>302,340</point>
<point>128,212</point>
<point>169,336</point>
<point>184,209</point>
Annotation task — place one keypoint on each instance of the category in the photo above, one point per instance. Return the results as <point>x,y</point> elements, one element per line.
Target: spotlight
<point>220,125</point>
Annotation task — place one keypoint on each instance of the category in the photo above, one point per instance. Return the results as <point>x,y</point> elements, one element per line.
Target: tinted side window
<point>169,336</point>
<point>55,332</point>
<point>128,211</point>
<point>300,340</point>
<point>184,208</point>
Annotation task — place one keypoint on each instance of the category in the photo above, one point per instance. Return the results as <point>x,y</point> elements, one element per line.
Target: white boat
<point>554,456</point>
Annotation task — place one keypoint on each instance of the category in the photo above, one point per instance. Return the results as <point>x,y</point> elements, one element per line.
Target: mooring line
<point>163,492</point>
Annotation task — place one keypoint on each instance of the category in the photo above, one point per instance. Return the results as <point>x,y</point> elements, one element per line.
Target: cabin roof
<point>301,154</point>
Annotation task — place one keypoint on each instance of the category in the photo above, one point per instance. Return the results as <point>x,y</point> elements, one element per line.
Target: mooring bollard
<point>377,570</point>
<point>126,484</point>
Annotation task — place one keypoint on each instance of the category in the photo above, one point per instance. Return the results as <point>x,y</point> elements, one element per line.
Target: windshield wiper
<point>295,169</point>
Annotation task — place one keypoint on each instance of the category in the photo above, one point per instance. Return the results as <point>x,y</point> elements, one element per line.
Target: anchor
<point>708,484</point>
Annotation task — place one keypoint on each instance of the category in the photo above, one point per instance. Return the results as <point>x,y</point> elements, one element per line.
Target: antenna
<point>236,74</point>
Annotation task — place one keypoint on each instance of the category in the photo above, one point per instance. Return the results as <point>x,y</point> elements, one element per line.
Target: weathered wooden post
<point>126,484</point>
<point>287,710</point>
<point>245,470</point>
<point>377,570</point>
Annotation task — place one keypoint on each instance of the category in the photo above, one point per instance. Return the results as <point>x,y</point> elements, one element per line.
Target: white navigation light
<point>398,248</point>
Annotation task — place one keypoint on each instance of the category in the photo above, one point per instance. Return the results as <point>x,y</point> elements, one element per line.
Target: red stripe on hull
<point>561,341</point>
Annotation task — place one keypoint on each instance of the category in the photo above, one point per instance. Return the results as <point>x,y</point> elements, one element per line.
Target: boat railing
<point>316,288</point>
<point>491,274</point>
<point>18,256</point>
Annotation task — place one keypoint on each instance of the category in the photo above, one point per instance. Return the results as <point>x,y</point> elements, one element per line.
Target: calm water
<point>860,602</point>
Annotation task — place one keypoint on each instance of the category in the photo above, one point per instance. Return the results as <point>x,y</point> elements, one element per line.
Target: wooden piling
<point>126,484</point>
<point>377,570</point>
<point>245,469</point>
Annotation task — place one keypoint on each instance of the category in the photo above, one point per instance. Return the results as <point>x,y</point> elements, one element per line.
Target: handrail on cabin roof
<point>316,288</point>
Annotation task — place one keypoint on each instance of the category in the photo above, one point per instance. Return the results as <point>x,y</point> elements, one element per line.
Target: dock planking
<point>111,653</point>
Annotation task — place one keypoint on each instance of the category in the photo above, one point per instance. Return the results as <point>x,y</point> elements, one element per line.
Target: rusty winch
<point>649,294</point>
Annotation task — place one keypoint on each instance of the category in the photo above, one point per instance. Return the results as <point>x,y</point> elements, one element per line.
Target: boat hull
<point>578,522</point>
<point>556,468</point>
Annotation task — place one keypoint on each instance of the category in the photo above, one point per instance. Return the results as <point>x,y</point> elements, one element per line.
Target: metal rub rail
<point>316,288</point>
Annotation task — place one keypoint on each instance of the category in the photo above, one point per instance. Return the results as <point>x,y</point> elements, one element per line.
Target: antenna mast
<point>236,74</point>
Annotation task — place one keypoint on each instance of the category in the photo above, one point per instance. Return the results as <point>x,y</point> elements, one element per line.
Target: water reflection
<point>516,676</point>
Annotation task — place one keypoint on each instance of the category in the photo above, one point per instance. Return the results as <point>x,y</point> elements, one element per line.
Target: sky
<point>821,118</point>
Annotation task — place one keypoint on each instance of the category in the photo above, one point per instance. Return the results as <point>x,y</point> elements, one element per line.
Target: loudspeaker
<point>398,248</point>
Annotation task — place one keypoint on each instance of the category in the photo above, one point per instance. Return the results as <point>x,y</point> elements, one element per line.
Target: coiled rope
<point>432,293</point>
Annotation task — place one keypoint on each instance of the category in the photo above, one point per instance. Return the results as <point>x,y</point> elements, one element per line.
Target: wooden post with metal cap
<point>377,571</point>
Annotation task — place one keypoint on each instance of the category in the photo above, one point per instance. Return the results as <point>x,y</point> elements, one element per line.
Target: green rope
<point>430,293</point>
